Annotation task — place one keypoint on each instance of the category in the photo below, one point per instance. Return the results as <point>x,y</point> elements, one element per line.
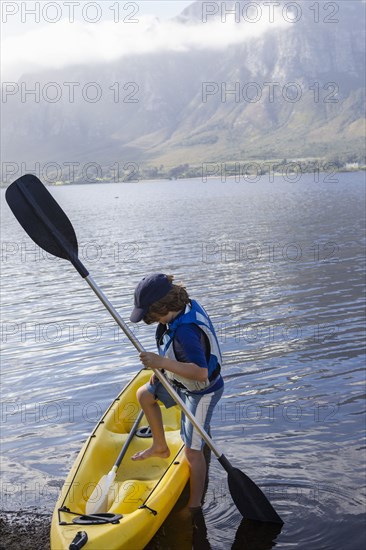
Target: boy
<point>190,357</point>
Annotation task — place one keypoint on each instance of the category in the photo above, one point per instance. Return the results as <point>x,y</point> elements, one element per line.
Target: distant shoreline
<point>223,172</point>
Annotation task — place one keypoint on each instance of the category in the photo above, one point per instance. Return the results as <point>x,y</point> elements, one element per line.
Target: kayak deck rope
<point>88,519</point>
<point>174,462</point>
<point>154,512</point>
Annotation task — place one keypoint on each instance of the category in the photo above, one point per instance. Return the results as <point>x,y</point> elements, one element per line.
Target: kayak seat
<point>130,495</point>
<point>122,420</point>
<point>105,449</point>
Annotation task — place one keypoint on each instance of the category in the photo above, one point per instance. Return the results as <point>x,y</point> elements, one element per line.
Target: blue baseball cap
<point>150,289</point>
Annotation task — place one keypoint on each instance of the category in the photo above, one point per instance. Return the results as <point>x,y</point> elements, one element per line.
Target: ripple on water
<point>315,516</point>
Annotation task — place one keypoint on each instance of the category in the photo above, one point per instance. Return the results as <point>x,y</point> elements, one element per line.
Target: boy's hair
<point>175,300</point>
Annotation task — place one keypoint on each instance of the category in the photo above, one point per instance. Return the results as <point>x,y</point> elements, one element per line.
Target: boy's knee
<point>144,396</point>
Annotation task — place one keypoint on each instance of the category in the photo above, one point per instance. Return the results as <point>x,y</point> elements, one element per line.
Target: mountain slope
<point>298,91</point>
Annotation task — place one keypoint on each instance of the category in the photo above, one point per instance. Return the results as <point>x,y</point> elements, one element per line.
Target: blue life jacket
<point>193,314</point>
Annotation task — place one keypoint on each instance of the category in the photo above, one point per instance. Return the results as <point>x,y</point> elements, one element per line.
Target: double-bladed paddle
<point>47,224</point>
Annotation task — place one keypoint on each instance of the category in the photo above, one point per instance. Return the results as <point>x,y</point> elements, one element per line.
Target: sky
<point>37,35</point>
<point>16,19</point>
<point>33,39</point>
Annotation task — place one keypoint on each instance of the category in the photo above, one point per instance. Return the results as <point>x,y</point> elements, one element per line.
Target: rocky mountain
<point>294,90</point>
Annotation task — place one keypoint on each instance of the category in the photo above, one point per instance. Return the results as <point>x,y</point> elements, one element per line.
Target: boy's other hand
<point>151,360</point>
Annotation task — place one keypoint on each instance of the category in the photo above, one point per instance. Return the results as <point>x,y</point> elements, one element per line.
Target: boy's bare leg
<point>152,411</point>
<point>198,471</point>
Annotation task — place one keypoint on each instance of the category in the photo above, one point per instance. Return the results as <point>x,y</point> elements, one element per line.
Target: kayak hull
<point>143,493</point>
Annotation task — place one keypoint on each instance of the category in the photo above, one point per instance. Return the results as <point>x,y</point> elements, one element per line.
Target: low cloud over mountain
<point>223,81</point>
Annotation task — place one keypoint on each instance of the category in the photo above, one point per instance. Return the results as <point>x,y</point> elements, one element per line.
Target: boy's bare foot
<point>151,453</point>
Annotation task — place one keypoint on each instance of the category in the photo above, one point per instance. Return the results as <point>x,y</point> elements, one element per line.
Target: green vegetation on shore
<point>241,170</point>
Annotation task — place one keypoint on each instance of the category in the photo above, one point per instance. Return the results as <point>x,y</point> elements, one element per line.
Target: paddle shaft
<point>128,440</point>
<point>107,304</point>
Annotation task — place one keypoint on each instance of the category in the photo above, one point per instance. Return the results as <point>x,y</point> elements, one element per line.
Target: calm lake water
<point>280,268</point>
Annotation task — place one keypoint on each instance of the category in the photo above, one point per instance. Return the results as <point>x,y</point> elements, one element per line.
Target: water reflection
<point>255,535</point>
<point>199,531</point>
<point>250,535</point>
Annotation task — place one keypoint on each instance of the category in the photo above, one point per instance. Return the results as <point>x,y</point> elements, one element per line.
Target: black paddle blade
<point>249,499</point>
<point>43,219</point>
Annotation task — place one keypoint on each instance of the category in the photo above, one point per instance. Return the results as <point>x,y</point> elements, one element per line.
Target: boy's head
<point>155,296</point>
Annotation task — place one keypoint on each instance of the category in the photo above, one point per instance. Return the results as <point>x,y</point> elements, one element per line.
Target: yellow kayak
<point>143,492</point>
